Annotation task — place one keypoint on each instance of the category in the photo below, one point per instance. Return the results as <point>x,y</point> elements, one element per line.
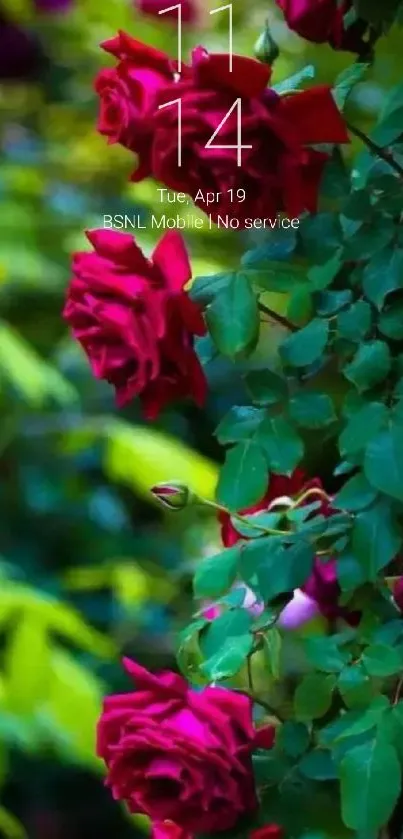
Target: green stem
<point>278,318</point>
<point>268,531</point>
<point>375,149</point>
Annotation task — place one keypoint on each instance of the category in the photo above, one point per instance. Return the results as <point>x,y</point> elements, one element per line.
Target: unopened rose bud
<point>398,593</point>
<point>266,49</point>
<point>174,495</point>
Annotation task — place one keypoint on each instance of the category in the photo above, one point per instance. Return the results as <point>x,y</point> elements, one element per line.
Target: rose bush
<point>134,320</point>
<point>179,755</point>
<point>268,733</point>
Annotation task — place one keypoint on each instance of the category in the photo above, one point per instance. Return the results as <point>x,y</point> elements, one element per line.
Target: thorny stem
<point>375,149</point>
<point>267,530</point>
<point>309,494</point>
<point>278,318</point>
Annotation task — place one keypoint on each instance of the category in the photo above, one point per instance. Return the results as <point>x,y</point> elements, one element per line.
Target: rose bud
<point>174,495</point>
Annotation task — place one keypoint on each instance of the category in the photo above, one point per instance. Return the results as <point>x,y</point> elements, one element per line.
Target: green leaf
<point>239,424</point>
<point>277,276</point>
<point>204,289</point>
<point>266,387</point>
<point>370,365</point>
<point>279,245</point>
<point>325,654</point>
<point>355,323</point>
<point>355,495</point>
<point>370,778</point>
<point>369,239</point>
<point>382,275</point>
<point>321,236</point>
<point>243,477</point>
<point>294,82</point>
<point>225,644</point>
<point>362,427</point>
<point>383,463</point>
<point>391,321</point>
<point>380,660</point>
<point>321,276</point>
<point>313,696</point>
<point>328,303</point>
<point>355,686</point>
<point>346,82</point>
<point>305,346</point>
<point>312,410</point>
<point>271,569</point>
<point>282,445</point>
<point>318,765</point>
<point>293,738</point>
<point>376,538</point>
<point>215,574</point>
<point>272,643</point>
<point>233,318</point>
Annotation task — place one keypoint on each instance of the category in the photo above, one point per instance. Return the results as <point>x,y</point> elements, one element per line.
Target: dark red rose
<point>134,320</point>
<point>279,171</point>
<point>168,830</point>
<point>322,21</point>
<point>179,755</point>
<point>269,831</point>
<point>128,95</point>
<point>322,586</point>
<point>190,13</point>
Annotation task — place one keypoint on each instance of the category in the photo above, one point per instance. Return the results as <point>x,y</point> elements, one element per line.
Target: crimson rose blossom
<point>279,171</point>
<point>128,95</point>
<point>321,21</point>
<point>134,320</point>
<point>322,585</point>
<point>178,755</point>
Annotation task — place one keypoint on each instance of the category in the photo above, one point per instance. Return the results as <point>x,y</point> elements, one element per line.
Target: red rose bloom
<point>168,830</point>
<point>269,831</point>
<point>128,95</point>
<point>279,171</point>
<point>179,755</point>
<point>322,21</point>
<point>153,7</point>
<point>322,585</point>
<point>134,320</point>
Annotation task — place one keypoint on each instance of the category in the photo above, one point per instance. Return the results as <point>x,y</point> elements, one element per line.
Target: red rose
<point>168,830</point>
<point>322,585</point>
<point>134,320</point>
<point>153,7</point>
<point>128,95</point>
<point>322,21</point>
<point>179,755</point>
<point>278,173</point>
<point>269,831</point>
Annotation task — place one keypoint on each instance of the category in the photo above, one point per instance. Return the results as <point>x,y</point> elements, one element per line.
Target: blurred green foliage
<point>90,568</point>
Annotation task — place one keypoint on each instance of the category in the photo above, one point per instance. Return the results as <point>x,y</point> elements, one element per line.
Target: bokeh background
<point>90,568</point>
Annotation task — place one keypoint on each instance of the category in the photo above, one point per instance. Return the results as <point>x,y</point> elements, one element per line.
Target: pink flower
<point>322,21</point>
<point>134,321</point>
<point>179,755</point>
<point>128,94</point>
<point>279,171</point>
<point>152,7</point>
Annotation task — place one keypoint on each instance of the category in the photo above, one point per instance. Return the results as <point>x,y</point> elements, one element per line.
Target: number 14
<point>210,145</point>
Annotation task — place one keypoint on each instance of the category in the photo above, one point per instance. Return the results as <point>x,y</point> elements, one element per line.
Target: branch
<point>278,318</point>
<point>377,150</point>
